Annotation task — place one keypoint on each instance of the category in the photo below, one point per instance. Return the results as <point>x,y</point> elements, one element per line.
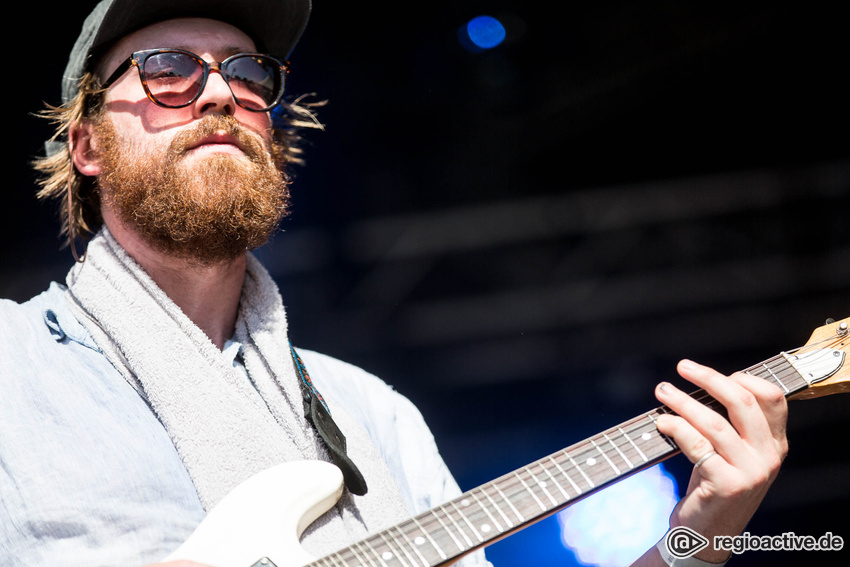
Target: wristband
<point>676,560</point>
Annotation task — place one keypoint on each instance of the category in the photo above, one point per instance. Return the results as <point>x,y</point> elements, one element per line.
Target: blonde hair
<point>77,194</point>
<point>79,201</point>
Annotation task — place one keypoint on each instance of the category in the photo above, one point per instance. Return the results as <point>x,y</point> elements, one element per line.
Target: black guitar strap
<point>319,416</point>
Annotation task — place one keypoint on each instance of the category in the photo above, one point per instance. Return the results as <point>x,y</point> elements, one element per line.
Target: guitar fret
<point>596,463</point>
<point>486,511</point>
<point>546,470</point>
<point>756,369</point>
<point>775,378</point>
<point>413,545</point>
<point>354,550</point>
<point>374,553</point>
<point>382,557</point>
<point>468,523</point>
<point>795,379</point>
<point>575,464</point>
<point>640,435</point>
<point>542,484</point>
<point>670,441</point>
<point>622,454</point>
<point>787,376</point>
<point>438,549</point>
<point>508,501</point>
<point>392,544</point>
<point>339,558</point>
<point>401,540</point>
<point>528,489</point>
<point>656,446</point>
<point>633,444</point>
<point>566,476</point>
<point>605,456</point>
<point>498,509</point>
<point>456,526</point>
<point>446,530</point>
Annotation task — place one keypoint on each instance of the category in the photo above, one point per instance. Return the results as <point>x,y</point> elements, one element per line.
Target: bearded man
<point>161,376</point>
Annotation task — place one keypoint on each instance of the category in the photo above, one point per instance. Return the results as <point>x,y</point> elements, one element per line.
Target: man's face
<point>197,182</point>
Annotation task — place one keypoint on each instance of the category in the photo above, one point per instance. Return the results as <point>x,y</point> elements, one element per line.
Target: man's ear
<point>82,144</point>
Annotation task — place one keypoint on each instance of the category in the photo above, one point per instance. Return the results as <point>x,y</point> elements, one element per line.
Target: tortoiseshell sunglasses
<point>174,78</point>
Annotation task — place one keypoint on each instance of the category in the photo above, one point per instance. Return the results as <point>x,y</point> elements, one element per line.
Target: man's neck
<point>207,294</point>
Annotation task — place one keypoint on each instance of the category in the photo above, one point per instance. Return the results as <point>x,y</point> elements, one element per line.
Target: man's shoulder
<point>342,380</point>
<point>15,317</point>
<point>374,403</point>
<point>331,368</point>
<point>45,319</point>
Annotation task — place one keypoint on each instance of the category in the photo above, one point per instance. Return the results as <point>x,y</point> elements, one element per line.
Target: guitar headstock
<point>835,335</point>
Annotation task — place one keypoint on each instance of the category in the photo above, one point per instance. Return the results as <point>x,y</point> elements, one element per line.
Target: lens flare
<point>615,526</point>
<point>482,32</point>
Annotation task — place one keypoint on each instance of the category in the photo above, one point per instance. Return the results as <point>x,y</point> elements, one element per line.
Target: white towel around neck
<point>225,427</point>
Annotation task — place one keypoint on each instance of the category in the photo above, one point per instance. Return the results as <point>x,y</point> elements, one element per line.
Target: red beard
<point>209,212</point>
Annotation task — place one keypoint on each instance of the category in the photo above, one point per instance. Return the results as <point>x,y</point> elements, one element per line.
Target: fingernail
<point>688,364</point>
<point>664,387</point>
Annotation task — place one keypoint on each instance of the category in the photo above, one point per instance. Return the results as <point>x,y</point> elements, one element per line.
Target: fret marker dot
<point>542,484</point>
<point>464,502</point>
<point>591,461</point>
<point>387,555</point>
<point>485,528</point>
<point>645,436</point>
<point>419,540</point>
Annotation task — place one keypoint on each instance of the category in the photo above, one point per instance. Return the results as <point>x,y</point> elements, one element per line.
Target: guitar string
<point>778,369</point>
<point>511,485</point>
<point>777,363</point>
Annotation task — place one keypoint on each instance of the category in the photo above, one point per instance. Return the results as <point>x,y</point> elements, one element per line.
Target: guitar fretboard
<point>526,495</point>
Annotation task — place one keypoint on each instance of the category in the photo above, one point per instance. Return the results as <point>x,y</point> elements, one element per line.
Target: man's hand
<point>738,458</point>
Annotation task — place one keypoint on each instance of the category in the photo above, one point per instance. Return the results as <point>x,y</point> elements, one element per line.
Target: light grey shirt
<point>88,474</point>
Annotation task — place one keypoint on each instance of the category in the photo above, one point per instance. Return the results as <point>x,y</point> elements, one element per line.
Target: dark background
<point>524,241</point>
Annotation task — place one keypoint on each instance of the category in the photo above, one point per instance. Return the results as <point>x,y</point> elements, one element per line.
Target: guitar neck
<point>512,502</point>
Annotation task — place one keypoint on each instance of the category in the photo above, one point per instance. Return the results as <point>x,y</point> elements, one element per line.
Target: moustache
<point>251,144</point>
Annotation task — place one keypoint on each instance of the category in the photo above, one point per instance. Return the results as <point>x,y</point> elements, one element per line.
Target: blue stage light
<point>485,32</point>
<point>615,526</point>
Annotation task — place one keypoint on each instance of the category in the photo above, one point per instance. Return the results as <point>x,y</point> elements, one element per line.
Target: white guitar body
<point>265,517</point>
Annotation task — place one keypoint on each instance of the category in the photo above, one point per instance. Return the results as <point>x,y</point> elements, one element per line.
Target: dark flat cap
<point>274,25</point>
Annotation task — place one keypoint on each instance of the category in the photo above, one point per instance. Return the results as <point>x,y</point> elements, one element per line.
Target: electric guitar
<point>259,523</point>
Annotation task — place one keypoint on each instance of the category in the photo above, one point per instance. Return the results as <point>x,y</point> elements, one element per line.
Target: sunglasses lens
<point>175,78</point>
<point>172,78</point>
<point>255,80</point>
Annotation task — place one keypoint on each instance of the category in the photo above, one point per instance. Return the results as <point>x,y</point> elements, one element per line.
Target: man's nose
<point>216,97</point>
